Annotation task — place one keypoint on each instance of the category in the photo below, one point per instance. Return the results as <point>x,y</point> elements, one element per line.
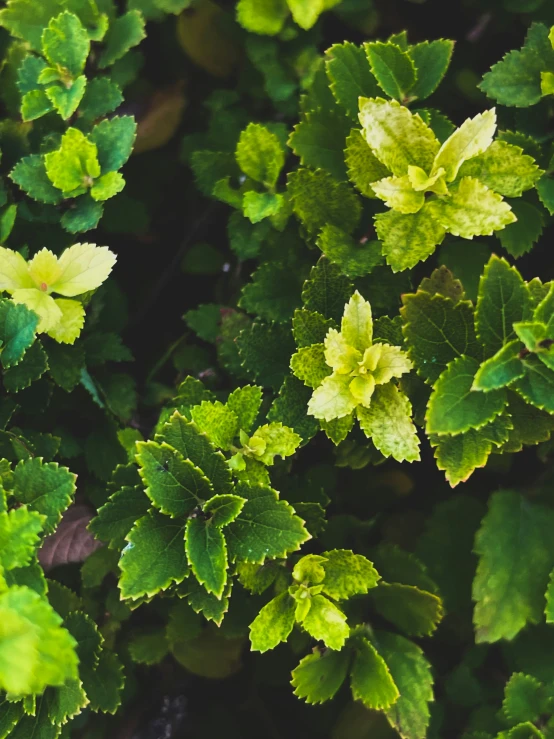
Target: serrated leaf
<point>309,365</point>
<point>454,408</point>
<point>310,327</point>
<point>327,290</point>
<point>350,76</point>
<point>516,556</point>
<point>362,165</point>
<point>319,140</point>
<point>370,678</point>
<point>408,238</point>
<point>212,608</point>
<point>65,43</point>
<point>472,138</point>
<point>265,351</point>
<point>518,238</point>
<point>223,509</point>
<point>347,574</point>
<point>318,198</point>
<point>537,384</point>
<point>524,698</point>
<point>503,168</point>
<point>154,557</point>
<point>437,331</point>
<point>117,516</point>
<point>217,421</point>
<point>45,488</point>
<point>530,425</point>
<point>273,624</point>
<point>290,406</point>
<point>325,622</point>
<point>174,484</point>
<point>31,176</point>
<point>319,675</point>
<point>114,139</point>
<point>392,67</point>
<point>104,684</point>
<point>503,300</point>
<point>73,166</point>
<point>273,440</point>
<point>102,96</point>
<point>501,369</point>
<point>388,423</point>
<point>17,331</point>
<point>431,60</point>
<point>207,554</point>
<point>19,536</point>
<point>124,33</point>
<point>414,611</point>
<point>266,528</point>
<point>274,292</point>
<point>33,365</point>
<point>260,154</point>
<point>397,137</point>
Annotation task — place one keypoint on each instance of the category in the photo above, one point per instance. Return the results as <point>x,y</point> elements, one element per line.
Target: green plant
<point>236,508</point>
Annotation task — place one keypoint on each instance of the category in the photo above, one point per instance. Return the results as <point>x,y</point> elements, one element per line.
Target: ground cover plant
<point>277,369</point>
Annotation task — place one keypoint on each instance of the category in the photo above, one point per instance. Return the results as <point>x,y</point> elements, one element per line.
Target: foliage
<point>328,256</point>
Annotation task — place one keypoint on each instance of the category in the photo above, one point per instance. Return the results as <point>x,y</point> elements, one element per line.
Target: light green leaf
<point>501,369</point>
<point>516,556</point>
<point>19,536</point>
<point>45,488</point>
<point>217,421</point>
<point>223,509</point>
<point>531,333</point>
<point>307,13</point>
<point>454,407</point>
<point>393,68</point>
<point>350,76</point>
<point>245,403</point>
<point>437,330</point>
<point>524,699</point>
<point>503,168</point>
<point>355,258</point>
<point>266,528</point>
<point>399,194</point>
<point>431,60</point>
<point>107,186</point>
<point>260,154</point>
<point>124,33</point>
<point>370,678</point>
<point>154,557</point>
<point>332,399</point>
<point>347,574</point>
<point>274,439</point>
<point>174,484</point>
<point>309,365</point>
<point>34,105</point>
<point>273,624</point>
<point>397,137</point>
<point>267,17</point>
<point>357,323</point>
<point>65,43</point>
<point>409,238</point>
<point>325,622</point>
<point>319,675</point>
<point>471,210</point>
<point>537,384</point>
<point>472,138</point>
<point>414,611</point>
<point>259,205</point>
<point>317,199</point>
<point>503,300</point>
<point>388,423</point>
<point>73,166</point>
<point>207,554</point>
<point>66,100</point>
<point>362,165</point>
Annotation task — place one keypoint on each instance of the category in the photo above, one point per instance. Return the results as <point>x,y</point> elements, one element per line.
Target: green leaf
<point>414,611</point>
<point>66,100</point>
<point>537,384</point>
<point>310,327</point>
<point>516,80</point>
<point>471,210</point>
<point>397,137</point>
<point>124,33</point>
<point>114,139</point>
<point>370,678</point>
<point>33,365</point>
<point>17,331</point>
<point>274,292</point>
<point>266,528</point>
<point>245,403</point>
<point>83,215</point>
<point>273,624</point>
<point>412,675</point>
<point>431,60</point>
<point>207,554</point>
<point>35,651</point>
<point>260,154</point>
<point>25,20</point>
<point>388,423</point>
<point>117,516</point>
<point>355,259</point>
<point>34,105</point>
<point>217,421</point>
<point>347,574</point>
<point>408,238</point>
<point>501,369</point>
<point>472,138</point>
<point>267,17</point>
<point>19,537</point>
<point>454,408</point>
<point>516,556</point>
<point>545,191</point>
<point>174,484</point>
<point>319,141</point>
<point>319,675</point>
<point>71,167</point>
<point>223,509</point>
<point>327,290</point>
<point>362,165</point>
<point>518,238</point>
<point>45,488</point>
<point>265,351</point>
<point>503,300</point>
<point>399,194</point>
<point>317,199</point>
<point>309,365</point>
<point>524,699</point>
<point>187,439</point>
<point>325,622</point>
<point>530,425</point>
<point>107,186</point>
<point>272,440</point>
<point>154,557</point>
<point>503,168</point>
<point>65,43</point>
<point>289,408</point>
<point>102,96</point>
<point>104,684</point>
<point>350,76</point>
<point>437,331</point>
<point>30,174</point>
<point>212,608</point>
<point>393,68</point>
<point>306,14</point>
<point>332,399</point>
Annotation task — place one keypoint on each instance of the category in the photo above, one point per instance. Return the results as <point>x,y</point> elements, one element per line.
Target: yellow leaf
<point>14,274</point>
<point>71,322</point>
<point>43,305</point>
<point>44,269</point>
<point>83,267</point>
